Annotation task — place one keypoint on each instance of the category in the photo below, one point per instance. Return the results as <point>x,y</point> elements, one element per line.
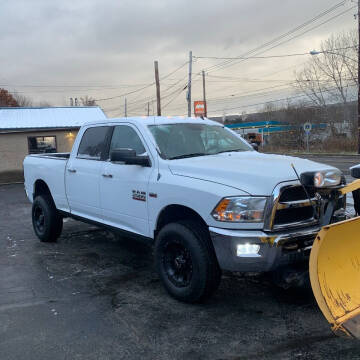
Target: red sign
<point>199,108</point>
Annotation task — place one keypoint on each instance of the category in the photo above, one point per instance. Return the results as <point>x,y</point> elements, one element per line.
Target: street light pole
<point>157,81</point>
<point>189,83</point>
<point>204,93</point>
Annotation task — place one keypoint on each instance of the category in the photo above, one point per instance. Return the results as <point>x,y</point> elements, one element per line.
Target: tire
<point>47,222</point>
<point>186,261</point>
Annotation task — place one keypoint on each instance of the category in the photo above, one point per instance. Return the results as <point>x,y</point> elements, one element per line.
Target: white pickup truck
<point>207,200</point>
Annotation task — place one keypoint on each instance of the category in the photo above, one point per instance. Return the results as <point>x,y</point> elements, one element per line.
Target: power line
<point>250,57</point>
<point>75,86</point>
<point>258,49</point>
<point>277,100</point>
<point>177,92</point>
<point>142,101</point>
<point>289,32</point>
<point>257,93</point>
<point>174,98</point>
<point>242,94</point>
<point>269,56</point>
<point>296,29</point>
<point>142,88</point>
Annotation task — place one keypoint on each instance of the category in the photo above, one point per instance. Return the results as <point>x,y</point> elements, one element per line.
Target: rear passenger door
<point>83,173</point>
<point>124,188</point>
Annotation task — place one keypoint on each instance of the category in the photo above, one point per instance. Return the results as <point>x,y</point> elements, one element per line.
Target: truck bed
<point>47,168</point>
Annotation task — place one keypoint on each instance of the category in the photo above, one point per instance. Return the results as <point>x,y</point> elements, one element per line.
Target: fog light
<point>247,250</point>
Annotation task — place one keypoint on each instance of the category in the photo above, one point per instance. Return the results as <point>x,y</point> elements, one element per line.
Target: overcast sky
<point>54,50</point>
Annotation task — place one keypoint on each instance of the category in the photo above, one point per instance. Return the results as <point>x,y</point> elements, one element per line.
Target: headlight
<point>321,179</point>
<point>355,172</point>
<point>240,209</point>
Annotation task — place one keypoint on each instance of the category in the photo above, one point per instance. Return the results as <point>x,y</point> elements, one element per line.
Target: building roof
<point>22,119</point>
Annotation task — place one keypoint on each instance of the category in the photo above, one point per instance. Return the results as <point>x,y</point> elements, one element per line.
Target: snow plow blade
<point>335,275</point>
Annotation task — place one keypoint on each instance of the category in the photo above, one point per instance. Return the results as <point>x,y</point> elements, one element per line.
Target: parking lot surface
<point>93,295</point>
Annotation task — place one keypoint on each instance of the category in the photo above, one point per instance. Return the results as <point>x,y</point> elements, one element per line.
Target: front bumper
<point>276,249</point>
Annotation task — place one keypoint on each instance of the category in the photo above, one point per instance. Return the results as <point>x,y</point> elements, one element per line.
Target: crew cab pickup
<point>200,192</point>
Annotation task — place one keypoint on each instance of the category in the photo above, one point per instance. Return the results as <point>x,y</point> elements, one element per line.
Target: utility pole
<point>125,108</point>
<point>157,81</point>
<point>204,93</point>
<point>358,18</point>
<point>189,84</point>
<point>148,108</point>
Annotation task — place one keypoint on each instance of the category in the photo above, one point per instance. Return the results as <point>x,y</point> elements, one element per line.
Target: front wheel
<point>186,261</point>
<point>47,222</point>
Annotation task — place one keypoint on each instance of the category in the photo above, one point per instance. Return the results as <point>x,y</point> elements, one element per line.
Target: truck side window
<point>125,137</point>
<point>93,142</point>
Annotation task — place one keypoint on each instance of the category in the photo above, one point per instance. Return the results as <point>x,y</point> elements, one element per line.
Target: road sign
<point>199,108</point>
<point>307,127</point>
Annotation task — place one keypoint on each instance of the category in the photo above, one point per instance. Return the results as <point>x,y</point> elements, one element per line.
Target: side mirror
<point>255,146</point>
<point>355,171</point>
<point>129,157</point>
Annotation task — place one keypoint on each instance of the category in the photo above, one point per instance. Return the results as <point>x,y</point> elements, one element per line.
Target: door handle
<point>107,175</point>
<point>71,170</point>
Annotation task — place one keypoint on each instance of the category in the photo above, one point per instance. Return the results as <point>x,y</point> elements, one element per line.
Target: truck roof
<point>155,120</point>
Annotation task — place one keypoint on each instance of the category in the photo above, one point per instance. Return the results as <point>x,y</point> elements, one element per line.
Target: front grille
<point>288,216</point>
<point>292,206</point>
<point>295,193</point>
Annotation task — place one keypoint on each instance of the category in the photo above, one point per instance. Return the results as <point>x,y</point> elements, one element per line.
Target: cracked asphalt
<point>93,295</point>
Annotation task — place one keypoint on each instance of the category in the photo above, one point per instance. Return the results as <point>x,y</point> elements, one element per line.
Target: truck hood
<point>248,171</point>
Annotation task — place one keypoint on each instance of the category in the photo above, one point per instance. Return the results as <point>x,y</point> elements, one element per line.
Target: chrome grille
<point>290,206</point>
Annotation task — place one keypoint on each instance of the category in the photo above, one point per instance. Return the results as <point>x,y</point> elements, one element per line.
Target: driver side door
<point>123,187</point>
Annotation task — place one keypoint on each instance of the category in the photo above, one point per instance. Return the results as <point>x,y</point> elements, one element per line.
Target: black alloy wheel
<point>39,219</point>
<point>186,261</point>
<point>177,264</point>
<point>47,221</point>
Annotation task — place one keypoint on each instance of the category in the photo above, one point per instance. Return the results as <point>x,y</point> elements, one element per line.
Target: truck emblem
<point>139,195</point>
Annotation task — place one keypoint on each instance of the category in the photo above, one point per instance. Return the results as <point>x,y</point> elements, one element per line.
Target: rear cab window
<point>93,143</point>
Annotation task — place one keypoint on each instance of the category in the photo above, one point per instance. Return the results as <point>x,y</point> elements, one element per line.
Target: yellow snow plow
<point>335,264</point>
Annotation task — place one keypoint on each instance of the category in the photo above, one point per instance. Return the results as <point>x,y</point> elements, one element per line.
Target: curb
<point>12,183</point>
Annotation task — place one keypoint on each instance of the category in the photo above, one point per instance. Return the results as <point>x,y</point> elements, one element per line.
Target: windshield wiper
<point>186,156</point>
<point>225,151</point>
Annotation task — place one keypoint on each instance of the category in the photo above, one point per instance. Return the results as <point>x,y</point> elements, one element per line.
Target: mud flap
<point>335,275</point>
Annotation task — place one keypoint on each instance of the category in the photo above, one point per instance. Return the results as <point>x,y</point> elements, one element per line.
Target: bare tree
<point>22,100</point>
<point>88,101</point>
<point>44,103</point>
<point>330,76</point>
<point>269,111</point>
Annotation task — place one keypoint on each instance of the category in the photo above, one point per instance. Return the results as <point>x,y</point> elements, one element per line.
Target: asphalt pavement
<point>96,296</point>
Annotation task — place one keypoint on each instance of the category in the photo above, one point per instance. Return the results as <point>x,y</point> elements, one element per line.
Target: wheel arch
<point>41,188</point>
<point>174,213</point>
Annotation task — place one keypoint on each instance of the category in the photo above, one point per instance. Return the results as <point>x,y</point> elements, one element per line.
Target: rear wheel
<point>47,222</point>
<point>186,261</point>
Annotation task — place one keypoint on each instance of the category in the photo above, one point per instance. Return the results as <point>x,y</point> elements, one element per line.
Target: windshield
<point>177,141</point>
